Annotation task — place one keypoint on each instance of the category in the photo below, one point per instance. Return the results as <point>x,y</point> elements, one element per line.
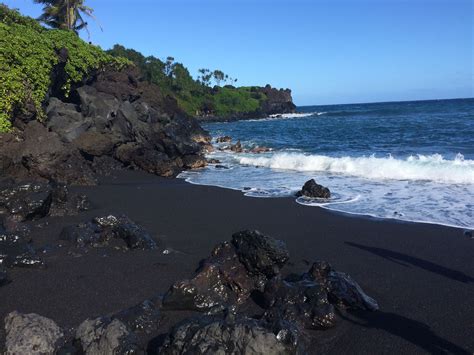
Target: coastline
<point>421,274</point>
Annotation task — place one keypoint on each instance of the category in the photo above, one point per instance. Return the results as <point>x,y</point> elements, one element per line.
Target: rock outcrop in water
<point>312,189</point>
<point>113,120</point>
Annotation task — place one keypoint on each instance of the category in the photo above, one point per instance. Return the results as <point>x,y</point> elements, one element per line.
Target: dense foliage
<point>28,53</point>
<point>196,97</point>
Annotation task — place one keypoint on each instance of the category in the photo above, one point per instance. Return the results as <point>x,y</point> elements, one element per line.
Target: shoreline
<point>421,275</point>
<point>343,213</point>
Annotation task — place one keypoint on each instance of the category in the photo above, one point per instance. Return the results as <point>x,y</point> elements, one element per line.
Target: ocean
<point>411,161</point>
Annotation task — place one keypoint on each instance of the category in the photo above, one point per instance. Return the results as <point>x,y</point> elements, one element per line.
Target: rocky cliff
<point>271,101</point>
<point>110,121</point>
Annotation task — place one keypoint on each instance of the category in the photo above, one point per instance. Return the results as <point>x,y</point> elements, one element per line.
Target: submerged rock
<point>31,334</point>
<point>227,335</point>
<point>102,230</point>
<point>105,336</point>
<point>232,272</point>
<point>313,190</point>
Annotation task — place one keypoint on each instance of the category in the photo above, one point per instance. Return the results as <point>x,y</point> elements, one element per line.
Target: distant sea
<point>411,161</point>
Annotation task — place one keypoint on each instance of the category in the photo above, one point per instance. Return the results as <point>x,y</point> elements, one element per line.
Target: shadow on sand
<point>415,332</point>
<point>406,260</point>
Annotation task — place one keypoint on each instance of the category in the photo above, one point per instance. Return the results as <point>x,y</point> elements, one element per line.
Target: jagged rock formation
<point>112,121</point>
<point>247,269</point>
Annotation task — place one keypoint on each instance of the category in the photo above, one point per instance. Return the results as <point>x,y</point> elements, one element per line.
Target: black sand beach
<point>422,275</point>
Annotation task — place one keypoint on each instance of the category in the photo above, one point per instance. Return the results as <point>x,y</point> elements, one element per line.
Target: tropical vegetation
<point>29,52</point>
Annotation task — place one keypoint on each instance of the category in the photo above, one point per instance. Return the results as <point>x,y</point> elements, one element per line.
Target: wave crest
<point>420,167</point>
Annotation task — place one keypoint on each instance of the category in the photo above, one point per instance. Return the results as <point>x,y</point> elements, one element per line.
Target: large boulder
<point>312,189</point>
<point>102,231</point>
<point>65,119</point>
<point>232,272</point>
<point>31,334</point>
<point>228,335</point>
<point>105,336</point>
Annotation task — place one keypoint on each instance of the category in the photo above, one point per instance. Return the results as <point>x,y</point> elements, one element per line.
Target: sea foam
<point>434,167</point>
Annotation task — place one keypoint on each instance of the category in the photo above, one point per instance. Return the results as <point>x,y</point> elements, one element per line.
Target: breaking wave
<point>420,167</point>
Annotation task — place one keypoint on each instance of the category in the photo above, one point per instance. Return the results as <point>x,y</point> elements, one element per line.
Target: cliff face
<point>278,101</point>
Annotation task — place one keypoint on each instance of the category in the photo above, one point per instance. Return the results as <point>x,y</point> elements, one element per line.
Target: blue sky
<point>326,51</point>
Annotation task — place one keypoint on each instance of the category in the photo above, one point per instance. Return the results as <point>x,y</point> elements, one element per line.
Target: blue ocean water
<point>411,161</point>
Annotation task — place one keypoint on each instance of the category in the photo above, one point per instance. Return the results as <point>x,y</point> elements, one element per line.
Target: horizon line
<point>389,101</point>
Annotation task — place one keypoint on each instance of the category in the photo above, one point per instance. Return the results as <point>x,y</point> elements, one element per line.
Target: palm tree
<point>65,14</point>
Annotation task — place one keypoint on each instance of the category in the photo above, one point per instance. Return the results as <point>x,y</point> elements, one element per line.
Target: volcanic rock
<point>103,230</point>
<point>105,336</point>
<point>31,334</point>
<point>342,290</point>
<point>16,250</point>
<point>227,335</point>
<point>232,272</point>
<point>312,190</point>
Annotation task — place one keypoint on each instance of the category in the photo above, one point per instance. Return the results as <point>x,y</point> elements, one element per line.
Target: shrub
<point>27,57</point>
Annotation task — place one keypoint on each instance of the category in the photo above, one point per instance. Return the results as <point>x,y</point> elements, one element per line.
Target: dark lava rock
<point>227,335</point>
<point>30,201</point>
<point>260,254</point>
<point>37,154</point>
<point>16,250</point>
<point>105,336</point>
<point>102,230</point>
<point>115,116</point>
<point>308,301</point>
<point>313,190</point>
<point>142,318</point>
<point>31,334</point>
<point>232,272</point>
<point>26,202</point>
<point>224,139</point>
<point>342,290</point>
<point>303,303</point>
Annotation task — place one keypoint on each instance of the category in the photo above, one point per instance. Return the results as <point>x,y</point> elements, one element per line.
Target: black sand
<point>422,275</point>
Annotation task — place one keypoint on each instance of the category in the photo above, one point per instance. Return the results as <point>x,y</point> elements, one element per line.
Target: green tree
<point>65,14</point>
<point>219,76</point>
